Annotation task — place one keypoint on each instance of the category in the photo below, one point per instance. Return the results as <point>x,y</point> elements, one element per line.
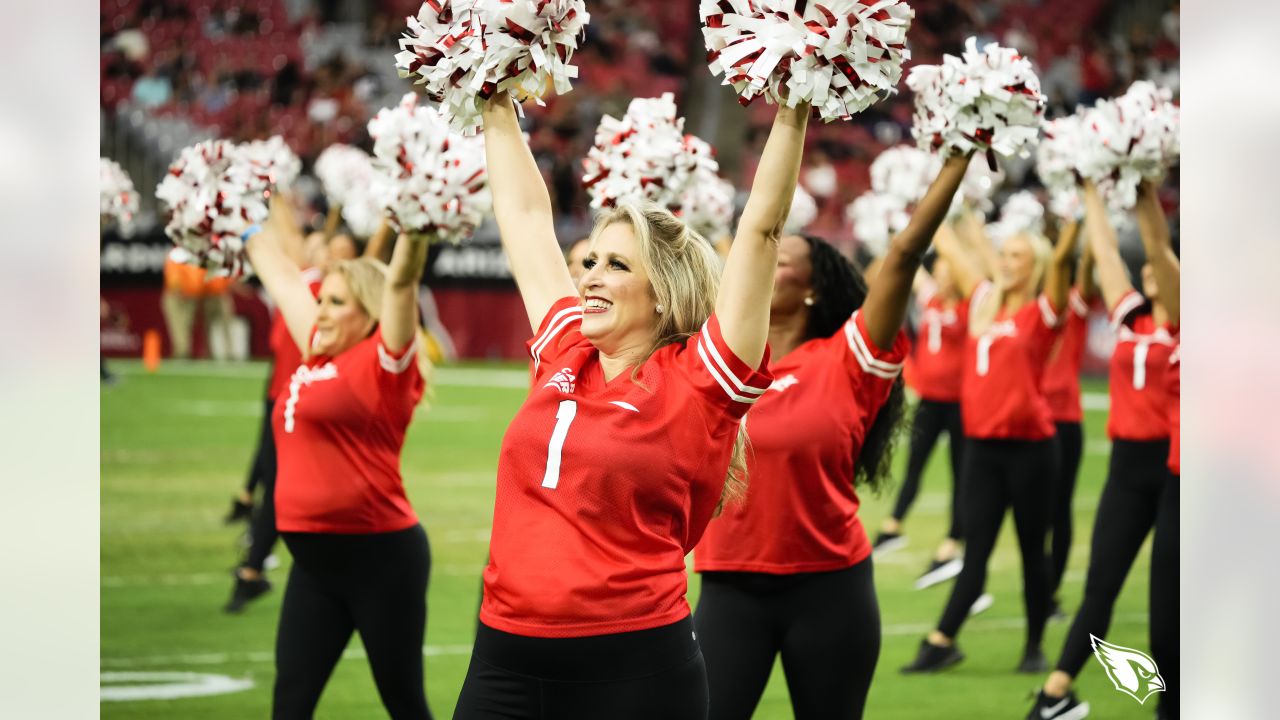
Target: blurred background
<point>175,72</point>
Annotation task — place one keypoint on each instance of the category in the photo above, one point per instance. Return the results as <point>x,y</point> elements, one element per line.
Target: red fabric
<point>598,546</point>
<point>286,357</point>
<point>339,430</point>
<point>801,511</point>
<point>1139,399</point>
<point>1173,382</point>
<point>1062,373</point>
<point>1001,396</point>
<point>938,357</point>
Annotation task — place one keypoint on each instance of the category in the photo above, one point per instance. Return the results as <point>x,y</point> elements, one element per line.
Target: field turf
<point>176,445</point>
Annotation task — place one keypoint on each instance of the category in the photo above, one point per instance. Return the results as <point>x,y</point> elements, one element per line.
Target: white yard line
<point>449,376</point>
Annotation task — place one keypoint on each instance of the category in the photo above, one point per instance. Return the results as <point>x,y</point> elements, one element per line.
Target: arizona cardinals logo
<point>562,381</point>
<point>1133,672</point>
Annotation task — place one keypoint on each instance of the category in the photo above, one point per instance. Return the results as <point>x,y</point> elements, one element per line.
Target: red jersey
<point>339,429</point>
<point>1173,380</point>
<point>1139,396</point>
<point>604,487</point>
<point>1062,373</point>
<point>286,356</point>
<point>938,357</point>
<point>801,511</point>
<point>1001,397</point>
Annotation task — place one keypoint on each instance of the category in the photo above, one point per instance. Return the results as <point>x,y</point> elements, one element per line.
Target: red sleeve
<point>876,369</point>
<point>1126,309</point>
<point>559,331</point>
<point>398,363</point>
<point>720,377</point>
<point>1076,302</point>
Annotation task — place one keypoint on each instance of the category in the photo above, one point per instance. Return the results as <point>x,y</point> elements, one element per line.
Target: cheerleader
<point>626,447</point>
<point>1008,431</point>
<point>1141,491</point>
<point>789,571</point>
<point>361,559</point>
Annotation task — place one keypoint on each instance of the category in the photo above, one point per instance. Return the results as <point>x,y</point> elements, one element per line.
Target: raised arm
<point>965,268</point>
<point>1112,277</point>
<point>379,245</point>
<point>886,304</point>
<point>522,207</point>
<point>1057,281</point>
<point>399,319</point>
<point>746,286</point>
<point>281,277</point>
<point>1085,284</point>
<point>1154,229</point>
<point>971,232</point>
<point>290,231</point>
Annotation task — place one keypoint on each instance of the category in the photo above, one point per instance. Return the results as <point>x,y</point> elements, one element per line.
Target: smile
<point>594,305</point>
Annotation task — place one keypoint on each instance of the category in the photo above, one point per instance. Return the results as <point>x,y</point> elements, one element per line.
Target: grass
<point>176,445</point>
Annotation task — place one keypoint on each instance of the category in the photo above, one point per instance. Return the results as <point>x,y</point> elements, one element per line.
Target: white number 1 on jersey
<point>564,418</point>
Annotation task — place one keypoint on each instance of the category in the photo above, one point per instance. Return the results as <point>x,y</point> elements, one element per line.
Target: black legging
<point>999,474</point>
<point>262,527</point>
<point>1164,596</point>
<point>1139,494</point>
<point>655,673</point>
<point>1070,446</point>
<point>931,419</point>
<point>374,584</point>
<point>826,625</point>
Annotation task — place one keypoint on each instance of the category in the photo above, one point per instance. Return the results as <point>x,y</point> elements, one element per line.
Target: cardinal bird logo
<point>1133,672</point>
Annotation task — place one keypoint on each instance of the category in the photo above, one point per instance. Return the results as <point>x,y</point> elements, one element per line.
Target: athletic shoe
<point>939,571</point>
<point>1063,708</point>
<point>933,658</point>
<point>982,604</point>
<point>245,591</point>
<point>271,563</point>
<point>1033,661</point>
<point>239,511</point>
<point>886,543</point>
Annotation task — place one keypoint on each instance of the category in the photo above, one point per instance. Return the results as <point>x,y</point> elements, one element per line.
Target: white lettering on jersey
<point>1142,346</point>
<point>562,381</point>
<point>1004,328</point>
<point>784,382</point>
<point>304,376</point>
<point>935,320</point>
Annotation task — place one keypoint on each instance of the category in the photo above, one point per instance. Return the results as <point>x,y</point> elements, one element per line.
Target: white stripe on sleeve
<point>866,359</point>
<point>557,323</point>
<point>394,365</point>
<point>1046,311</point>
<point>1130,302</point>
<point>719,370</point>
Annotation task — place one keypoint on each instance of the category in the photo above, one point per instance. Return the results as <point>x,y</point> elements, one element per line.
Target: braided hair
<point>839,289</point>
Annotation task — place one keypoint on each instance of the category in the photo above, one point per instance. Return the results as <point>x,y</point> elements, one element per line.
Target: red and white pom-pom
<point>903,172</point>
<point>274,158</point>
<point>988,100</point>
<point>1021,212</point>
<point>642,155</point>
<point>804,210</point>
<point>1129,138</point>
<point>342,170</point>
<point>841,56</point>
<point>876,218</point>
<point>465,51</point>
<point>1056,165</point>
<point>214,193</point>
<point>431,179</point>
<point>708,206</point>
<point>118,199</point>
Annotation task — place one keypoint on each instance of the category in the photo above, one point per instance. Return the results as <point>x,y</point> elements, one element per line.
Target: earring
<point>659,309</point>
<point>809,301</point>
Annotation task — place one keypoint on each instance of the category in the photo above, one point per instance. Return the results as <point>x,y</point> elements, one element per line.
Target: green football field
<point>176,445</point>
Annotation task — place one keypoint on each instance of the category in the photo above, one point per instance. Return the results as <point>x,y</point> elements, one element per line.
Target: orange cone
<point>151,350</point>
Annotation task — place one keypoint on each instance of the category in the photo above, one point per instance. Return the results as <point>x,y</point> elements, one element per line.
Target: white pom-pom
<point>214,192</point>
<point>274,158</point>
<point>465,51</point>
<point>431,180</point>
<point>346,173</point>
<point>708,206</point>
<point>1129,138</point>
<point>985,101</point>
<point>118,199</point>
<point>979,184</point>
<point>841,56</point>
<point>804,210</point>
<point>642,155</point>
<point>876,218</point>
<point>1056,158</point>
<point>903,172</point>
<point>1021,212</point>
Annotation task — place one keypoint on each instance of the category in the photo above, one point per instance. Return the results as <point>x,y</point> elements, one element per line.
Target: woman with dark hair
<point>789,570</point>
<point>1009,450</point>
<point>1141,490</point>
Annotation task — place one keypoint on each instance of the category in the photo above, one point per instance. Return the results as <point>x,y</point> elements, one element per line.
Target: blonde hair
<point>1041,253</point>
<point>684,276</point>
<point>367,280</point>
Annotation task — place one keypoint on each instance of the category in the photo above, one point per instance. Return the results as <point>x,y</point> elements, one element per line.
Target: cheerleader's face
<point>793,280</point>
<point>1017,263</point>
<point>619,315</point>
<point>341,321</point>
